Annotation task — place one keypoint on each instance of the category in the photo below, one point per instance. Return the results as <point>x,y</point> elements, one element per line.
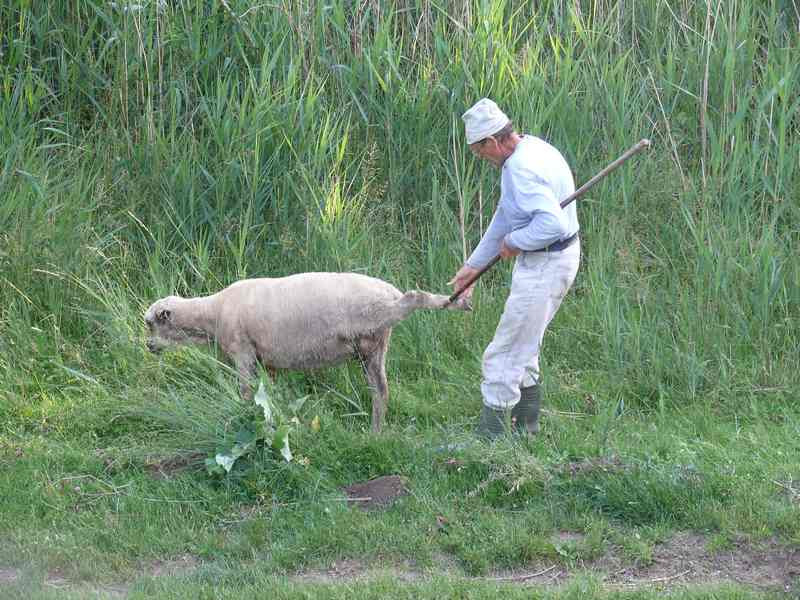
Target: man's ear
<point>163,315</point>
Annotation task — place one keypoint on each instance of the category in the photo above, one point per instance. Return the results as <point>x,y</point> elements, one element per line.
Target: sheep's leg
<point>372,351</point>
<point>245,362</point>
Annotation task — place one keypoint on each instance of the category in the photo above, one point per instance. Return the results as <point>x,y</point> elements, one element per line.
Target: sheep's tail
<point>415,299</point>
<point>383,315</point>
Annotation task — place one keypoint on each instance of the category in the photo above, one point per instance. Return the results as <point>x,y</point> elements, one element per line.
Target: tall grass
<point>175,147</point>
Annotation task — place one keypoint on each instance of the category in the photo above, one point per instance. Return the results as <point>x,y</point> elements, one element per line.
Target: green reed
<point>180,147</point>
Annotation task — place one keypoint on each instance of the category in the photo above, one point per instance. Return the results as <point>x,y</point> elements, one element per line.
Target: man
<point>529,224</point>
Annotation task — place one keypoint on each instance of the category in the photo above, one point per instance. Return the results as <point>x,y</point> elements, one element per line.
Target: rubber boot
<point>525,415</point>
<point>493,423</point>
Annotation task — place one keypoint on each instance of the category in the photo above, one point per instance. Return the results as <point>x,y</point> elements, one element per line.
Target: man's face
<point>489,149</point>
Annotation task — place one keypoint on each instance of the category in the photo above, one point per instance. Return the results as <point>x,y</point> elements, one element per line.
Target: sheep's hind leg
<point>372,352</point>
<point>245,362</point>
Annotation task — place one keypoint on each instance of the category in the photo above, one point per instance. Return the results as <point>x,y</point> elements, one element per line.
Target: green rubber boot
<point>525,415</point>
<point>493,423</point>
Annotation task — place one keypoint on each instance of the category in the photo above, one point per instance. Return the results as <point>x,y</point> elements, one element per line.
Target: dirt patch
<point>169,467</point>
<point>353,570</point>
<point>611,464</point>
<point>57,579</point>
<point>685,558</point>
<point>175,566</point>
<point>339,570</point>
<point>377,493</point>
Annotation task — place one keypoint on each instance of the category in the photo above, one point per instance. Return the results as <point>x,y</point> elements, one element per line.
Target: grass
<point>178,147</point>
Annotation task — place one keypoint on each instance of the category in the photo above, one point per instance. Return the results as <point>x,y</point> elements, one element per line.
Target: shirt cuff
<point>509,240</point>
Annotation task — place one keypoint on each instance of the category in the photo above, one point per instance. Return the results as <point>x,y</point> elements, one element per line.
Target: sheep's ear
<point>163,315</point>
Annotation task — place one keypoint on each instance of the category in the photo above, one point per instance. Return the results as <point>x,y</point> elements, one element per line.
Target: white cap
<point>482,120</point>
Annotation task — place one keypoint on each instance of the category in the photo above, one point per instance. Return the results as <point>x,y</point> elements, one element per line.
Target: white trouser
<point>538,285</point>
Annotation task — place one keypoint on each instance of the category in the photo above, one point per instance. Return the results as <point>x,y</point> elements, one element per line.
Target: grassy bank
<point>177,147</point>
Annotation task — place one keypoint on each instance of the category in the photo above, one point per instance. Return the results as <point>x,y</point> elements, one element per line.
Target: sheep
<point>303,321</point>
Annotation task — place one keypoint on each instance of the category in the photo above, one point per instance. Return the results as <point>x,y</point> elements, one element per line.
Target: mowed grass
<point>177,147</point>
<point>100,515</point>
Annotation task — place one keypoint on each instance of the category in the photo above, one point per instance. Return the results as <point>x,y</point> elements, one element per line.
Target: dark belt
<point>560,245</point>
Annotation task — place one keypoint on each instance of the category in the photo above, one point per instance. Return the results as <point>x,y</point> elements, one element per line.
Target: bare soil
<point>684,559</point>
<point>377,493</point>
<point>167,468</point>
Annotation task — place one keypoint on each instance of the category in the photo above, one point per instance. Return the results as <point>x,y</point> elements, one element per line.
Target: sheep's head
<point>166,327</point>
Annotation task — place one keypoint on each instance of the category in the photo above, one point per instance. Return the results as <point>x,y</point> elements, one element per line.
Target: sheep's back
<point>305,320</point>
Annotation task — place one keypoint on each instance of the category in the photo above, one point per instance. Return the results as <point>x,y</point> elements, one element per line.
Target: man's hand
<point>460,279</point>
<point>507,251</point>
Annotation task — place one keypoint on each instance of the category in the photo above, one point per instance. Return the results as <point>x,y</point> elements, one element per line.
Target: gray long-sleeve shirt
<point>534,179</point>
